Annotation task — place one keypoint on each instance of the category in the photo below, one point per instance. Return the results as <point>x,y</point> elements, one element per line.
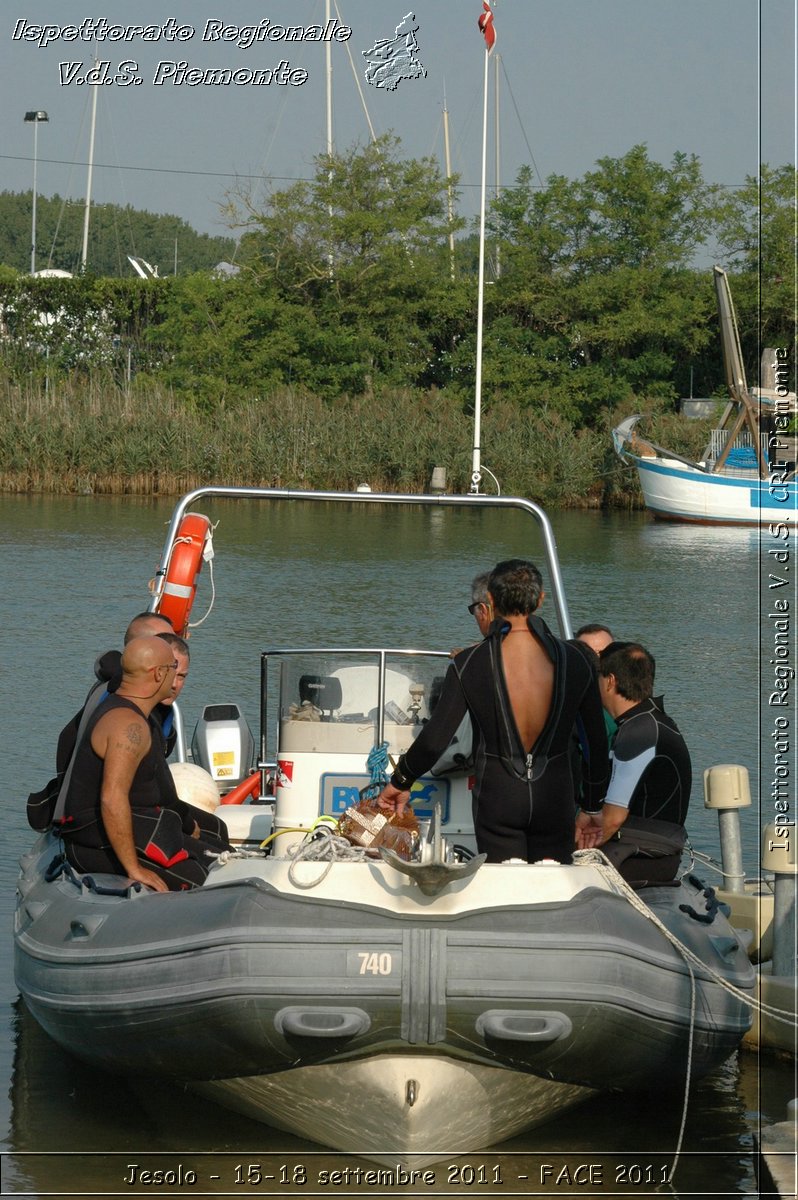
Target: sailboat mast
<point>95,87</point>
<point>328,59</point>
<point>450,201</point>
<point>498,154</point>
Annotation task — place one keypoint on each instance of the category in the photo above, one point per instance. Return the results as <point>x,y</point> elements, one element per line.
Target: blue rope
<point>377,763</point>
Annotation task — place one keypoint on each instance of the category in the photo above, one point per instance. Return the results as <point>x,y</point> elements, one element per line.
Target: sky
<point>579,80</point>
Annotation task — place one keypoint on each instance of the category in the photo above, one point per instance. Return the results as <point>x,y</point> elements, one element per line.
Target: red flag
<point>485,23</point>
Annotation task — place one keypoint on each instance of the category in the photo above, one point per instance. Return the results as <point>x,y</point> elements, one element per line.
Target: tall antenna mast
<point>328,57</point>
<point>450,202</point>
<point>95,87</point>
<point>489,33</point>
<point>498,153</point>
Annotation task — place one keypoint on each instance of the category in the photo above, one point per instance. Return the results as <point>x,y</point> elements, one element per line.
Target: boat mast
<point>95,87</point>
<point>486,25</point>
<point>448,182</point>
<point>498,153</point>
<point>747,412</point>
<point>328,60</point>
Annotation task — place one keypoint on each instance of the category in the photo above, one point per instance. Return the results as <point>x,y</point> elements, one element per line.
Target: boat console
<point>340,719</point>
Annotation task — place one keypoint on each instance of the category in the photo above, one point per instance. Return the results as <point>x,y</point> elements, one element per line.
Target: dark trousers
<point>161,846</point>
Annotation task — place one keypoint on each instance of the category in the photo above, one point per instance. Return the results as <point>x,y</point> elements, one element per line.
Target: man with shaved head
<point>117,819</point>
<point>108,670</point>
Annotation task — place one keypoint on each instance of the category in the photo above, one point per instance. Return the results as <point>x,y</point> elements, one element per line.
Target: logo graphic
<point>393,59</point>
<point>285,773</point>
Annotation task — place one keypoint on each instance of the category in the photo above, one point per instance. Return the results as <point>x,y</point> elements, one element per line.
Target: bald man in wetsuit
<point>117,818</point>
<point>525,690</point>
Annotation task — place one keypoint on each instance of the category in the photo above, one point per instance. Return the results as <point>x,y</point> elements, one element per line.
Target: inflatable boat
<point>374,1002</point>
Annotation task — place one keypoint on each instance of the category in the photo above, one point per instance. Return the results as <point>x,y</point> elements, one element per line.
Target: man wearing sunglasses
<point>480,607</point>
<point>114,821</point>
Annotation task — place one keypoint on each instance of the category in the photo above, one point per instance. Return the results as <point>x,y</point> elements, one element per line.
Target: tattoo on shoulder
<point>133,734</point>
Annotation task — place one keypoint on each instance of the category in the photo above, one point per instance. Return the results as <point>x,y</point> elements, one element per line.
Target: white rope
<point>595,858</point>
<point>688,1077</point>
<point>194,624</point>
<point>224,856</point>
<point>599,859</point>
<point>324,846</point>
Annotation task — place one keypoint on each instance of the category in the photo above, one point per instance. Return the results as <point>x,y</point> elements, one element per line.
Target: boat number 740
<point>375,964</point>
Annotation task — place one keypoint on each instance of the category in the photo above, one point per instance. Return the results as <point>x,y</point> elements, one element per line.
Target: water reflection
<point>706,541</point>
<point>76,1130</point>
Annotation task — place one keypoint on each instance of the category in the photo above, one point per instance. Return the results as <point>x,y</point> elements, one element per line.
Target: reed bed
<point>90,435</point>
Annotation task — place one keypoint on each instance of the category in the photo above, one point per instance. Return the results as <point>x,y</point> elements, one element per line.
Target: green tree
<point>596,284</point>
<point>218,340</point>
<point>364,245</point>
<point>756,235</point>
<point>80,323</point>
<point>114,233</point>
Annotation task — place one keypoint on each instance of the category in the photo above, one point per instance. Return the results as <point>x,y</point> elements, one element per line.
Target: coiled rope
<point>324,845</point>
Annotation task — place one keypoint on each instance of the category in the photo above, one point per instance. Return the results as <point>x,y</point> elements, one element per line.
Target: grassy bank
<point>95,437</point>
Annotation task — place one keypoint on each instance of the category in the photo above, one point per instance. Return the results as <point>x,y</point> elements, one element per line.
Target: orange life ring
<point>248,787</point>
<point>183,571</point>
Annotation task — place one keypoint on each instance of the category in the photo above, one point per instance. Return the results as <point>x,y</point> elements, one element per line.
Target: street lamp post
<point>35,117</point>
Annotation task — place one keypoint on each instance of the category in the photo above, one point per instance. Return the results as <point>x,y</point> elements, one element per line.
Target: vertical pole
<point>731,850</point>
<point>784,925</point>
<point>476,474</point>
<point>33,216</point>
<point>328,61</point>
<point>95,87</point>
<point>780,855</point>
<point>498,157</point>
<point>727,789</point>
<point>448,183</point>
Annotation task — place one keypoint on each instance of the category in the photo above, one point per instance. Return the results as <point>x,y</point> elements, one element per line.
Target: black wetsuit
<point>160,841</point>
<point>652,777</point>
<point>108,669</point>
<point>523,799</point>
<point>651,768</point>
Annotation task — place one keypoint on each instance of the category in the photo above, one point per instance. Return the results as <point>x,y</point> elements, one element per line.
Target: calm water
<point>75,570</point>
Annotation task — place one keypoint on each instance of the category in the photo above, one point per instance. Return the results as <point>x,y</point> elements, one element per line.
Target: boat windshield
<point>347,700</point>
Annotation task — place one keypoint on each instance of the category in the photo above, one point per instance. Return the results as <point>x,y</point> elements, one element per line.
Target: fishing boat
<point>747,473</point>
<point>380,1003</point>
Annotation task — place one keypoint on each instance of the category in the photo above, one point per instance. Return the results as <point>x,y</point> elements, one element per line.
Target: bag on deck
<point>645,837</point>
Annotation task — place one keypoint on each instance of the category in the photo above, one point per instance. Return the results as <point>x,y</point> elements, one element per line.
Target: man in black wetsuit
<point>196,821</point>
<point>116,816</point>
<point>525,690</point>
<point>651,771</point>
<point>108,670</point>
<point>479,607</point>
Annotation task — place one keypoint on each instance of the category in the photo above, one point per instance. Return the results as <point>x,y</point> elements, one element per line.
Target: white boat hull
<point>674,491</point>
<point>398,1106</point>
